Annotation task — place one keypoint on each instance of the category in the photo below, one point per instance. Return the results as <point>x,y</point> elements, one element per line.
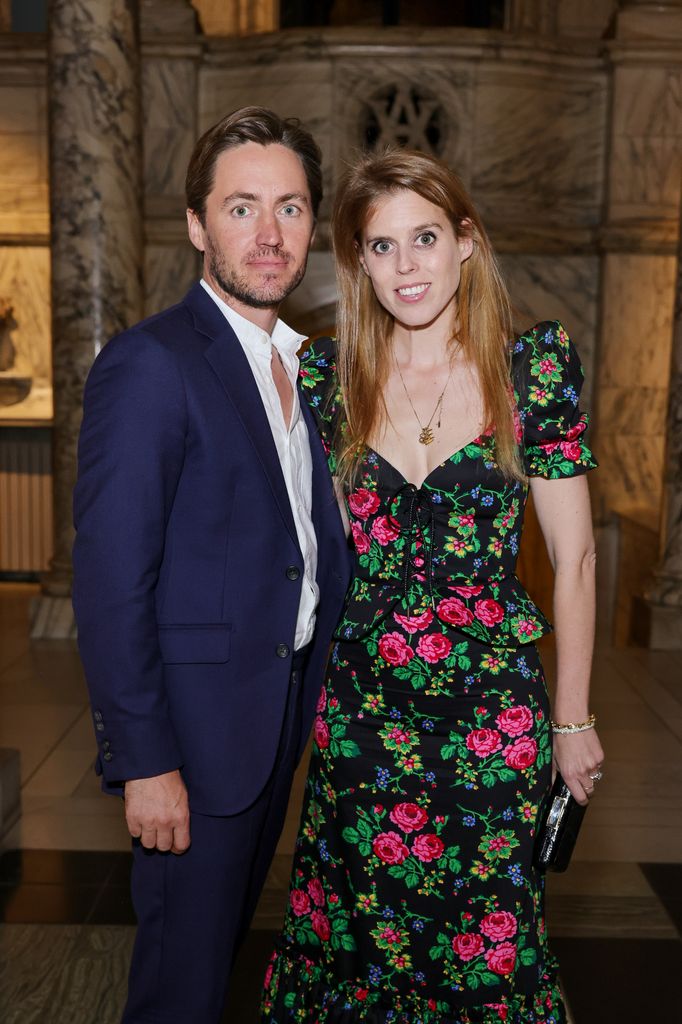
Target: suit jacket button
<point>97,715</point>
<point>108,756</point>
<point>293,572</point>
<point>100,727</point>
<point>282,650</point>
<point>105,745</point>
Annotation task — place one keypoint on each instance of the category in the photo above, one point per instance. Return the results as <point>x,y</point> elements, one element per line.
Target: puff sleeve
<point>548,378</point>
<point>320,389</point>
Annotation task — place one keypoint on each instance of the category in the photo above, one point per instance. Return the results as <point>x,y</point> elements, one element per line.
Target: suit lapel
<point>228,361</point>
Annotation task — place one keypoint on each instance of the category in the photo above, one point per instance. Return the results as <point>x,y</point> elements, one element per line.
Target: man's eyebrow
<point>298,196</point>
<point>251,197</point>
<point>234,196</point>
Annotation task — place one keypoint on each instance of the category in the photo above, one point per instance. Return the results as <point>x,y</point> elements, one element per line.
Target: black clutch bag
<point>557,828</point>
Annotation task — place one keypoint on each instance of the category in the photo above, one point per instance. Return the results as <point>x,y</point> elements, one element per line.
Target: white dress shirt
<point>292,442</point>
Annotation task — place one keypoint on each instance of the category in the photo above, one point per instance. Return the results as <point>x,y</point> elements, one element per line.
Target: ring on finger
<point>597,776</point>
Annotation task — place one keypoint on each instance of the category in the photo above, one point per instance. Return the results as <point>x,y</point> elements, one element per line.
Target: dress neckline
<point>435,468</point>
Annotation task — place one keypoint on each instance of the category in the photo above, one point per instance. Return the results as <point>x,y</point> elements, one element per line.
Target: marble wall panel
<point>170,270</point>
<point>169,105</point>
<point>637,320</point>
<point>564,288</point>
<point>629,475</point>
<point>538,142</point>
<point>588,18</point>
<point>634,368</point>
<point>24,203</point>
<point>25,283</point>
<point>646,143</point>
<point>311,308</point>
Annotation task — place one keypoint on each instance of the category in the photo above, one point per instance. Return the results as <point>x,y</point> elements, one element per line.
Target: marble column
<point>664,596</point>
<point>96,232</point>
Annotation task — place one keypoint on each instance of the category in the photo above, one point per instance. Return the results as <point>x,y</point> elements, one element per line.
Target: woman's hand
<point>579,757</point>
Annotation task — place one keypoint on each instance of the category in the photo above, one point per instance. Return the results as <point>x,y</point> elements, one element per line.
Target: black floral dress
<point>413,898</point>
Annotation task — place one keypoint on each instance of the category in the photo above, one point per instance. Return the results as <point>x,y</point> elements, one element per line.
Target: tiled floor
<point>616,915</point>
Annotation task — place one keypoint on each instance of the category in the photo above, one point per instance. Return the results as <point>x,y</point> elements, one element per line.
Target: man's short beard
<point>268,296</point>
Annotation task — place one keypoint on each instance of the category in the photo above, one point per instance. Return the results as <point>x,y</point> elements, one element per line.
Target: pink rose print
<point>268,976</point>
<point>549,446</point>
<point>389,847</point>
<point>484,741</point>
<point>452,610</point>
<point>433,647</point>
<point>427,847</point>
<point>360,539</point>
<point>467,946</point>
<point>499,925</point>
<point>468,590</point>
<point>409,817</point>
<point>576,430</point>
<point>321,700</point>
<point>321,731</point>
<point>363,503</point>
<point>489,612</point>
<point>321,925</point>
<point>414,623</point>
<point>394,649</point>
<point>521,753</point>
<point>571,449</point>
<point>300,902</point>
<point>502,1010</point>
<point>316,892</point>
<point>501,959</point>
<point>385,529</point>
<point>515,720</point>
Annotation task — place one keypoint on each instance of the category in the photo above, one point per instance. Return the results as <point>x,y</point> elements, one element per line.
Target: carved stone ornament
<point>403,114</point>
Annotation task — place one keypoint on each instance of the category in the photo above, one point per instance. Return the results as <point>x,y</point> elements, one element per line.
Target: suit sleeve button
<point>282,650</point>
<point>108,756</point>
<point>97,715</point>
<point>100,727</point>
<point>293,572</point>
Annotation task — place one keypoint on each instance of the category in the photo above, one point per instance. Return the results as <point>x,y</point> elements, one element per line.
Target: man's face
<point>257,228</point>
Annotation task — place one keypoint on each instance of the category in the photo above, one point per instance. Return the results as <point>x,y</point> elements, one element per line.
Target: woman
<point>413,895</point>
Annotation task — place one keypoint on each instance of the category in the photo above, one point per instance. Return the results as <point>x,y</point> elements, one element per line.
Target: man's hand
<point>157,812</point>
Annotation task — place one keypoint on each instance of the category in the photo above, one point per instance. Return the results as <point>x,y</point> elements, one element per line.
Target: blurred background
<point>564,118</point>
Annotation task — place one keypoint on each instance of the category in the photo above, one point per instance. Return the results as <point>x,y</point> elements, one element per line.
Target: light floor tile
<point>35,730</point>
<point>60,773</point>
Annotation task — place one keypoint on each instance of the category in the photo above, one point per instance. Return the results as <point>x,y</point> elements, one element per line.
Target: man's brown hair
<point>250,124</point>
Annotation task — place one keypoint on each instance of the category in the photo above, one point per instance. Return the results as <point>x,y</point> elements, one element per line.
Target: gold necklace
<point>426,432</point>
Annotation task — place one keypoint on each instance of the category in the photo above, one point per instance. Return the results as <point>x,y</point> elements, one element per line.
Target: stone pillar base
<point>656,626</point>
<point>52,618</point>
<point>10,788</point>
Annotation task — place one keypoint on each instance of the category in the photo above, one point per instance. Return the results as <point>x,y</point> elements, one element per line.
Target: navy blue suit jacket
<point>187,568</point>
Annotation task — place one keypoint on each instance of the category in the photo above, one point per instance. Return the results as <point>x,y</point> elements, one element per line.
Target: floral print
<point>413,897</point>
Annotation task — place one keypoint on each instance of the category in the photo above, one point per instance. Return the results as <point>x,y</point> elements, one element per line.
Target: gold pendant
<point>426,435</point>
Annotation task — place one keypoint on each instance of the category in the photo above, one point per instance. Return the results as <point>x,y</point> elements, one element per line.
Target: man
<point>210,566</point>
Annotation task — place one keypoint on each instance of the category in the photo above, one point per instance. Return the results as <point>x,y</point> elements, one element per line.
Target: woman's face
<point>410,253</point>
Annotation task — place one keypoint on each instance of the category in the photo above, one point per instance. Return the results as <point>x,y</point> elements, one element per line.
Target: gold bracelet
<point>571,727</point>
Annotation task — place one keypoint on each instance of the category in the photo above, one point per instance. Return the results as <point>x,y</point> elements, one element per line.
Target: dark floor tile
<point>121,865</point>
<point>247,979</point>
<point>113,906</point>
<point>47,904</point>
<point>666,881</point>
<point>54,867</point>
<point>621,981</point>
